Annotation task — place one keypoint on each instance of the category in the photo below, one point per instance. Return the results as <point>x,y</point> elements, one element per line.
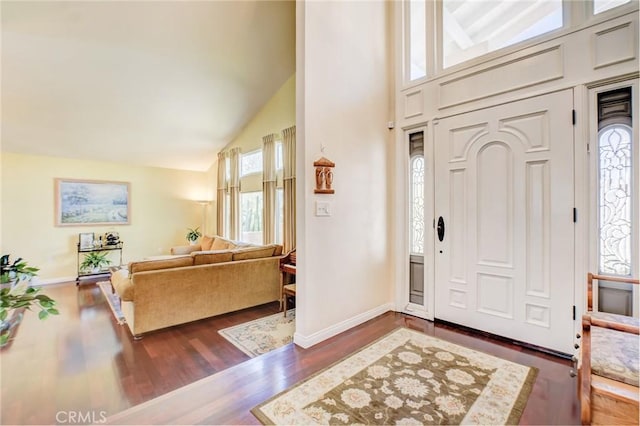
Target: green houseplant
<point>18,270</point>
<point>94,261</point>
<point>16,292</point>
<point>193,235</point>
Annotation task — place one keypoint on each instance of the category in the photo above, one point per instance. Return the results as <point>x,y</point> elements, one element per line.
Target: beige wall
<point>277,114</point>
<point>162,207</point>
<point>344,262</point>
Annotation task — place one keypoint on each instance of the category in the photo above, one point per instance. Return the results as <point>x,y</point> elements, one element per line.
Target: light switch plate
<point>322,208</point>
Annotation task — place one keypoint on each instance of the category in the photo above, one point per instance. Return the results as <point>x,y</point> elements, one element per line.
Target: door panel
<point>504,186</point>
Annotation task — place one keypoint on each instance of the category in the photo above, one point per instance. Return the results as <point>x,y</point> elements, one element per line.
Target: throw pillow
<point>206,242</point>
<point>220,243</point>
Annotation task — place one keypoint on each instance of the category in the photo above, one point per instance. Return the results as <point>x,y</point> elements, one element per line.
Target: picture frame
<point>81,202</point>
<point>86,240</point>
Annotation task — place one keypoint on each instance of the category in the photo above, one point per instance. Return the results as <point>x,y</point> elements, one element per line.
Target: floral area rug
<point>263,335</point>
<point>406,378</point>
<point>112,300</point>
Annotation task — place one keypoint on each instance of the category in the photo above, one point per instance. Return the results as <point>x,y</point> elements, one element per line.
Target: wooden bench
<point>608,384</point>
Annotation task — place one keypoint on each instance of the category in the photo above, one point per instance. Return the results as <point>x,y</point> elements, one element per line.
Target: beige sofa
<point>194,284</point>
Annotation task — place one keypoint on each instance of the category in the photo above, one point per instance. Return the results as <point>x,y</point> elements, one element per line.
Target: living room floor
<point>82,363</point>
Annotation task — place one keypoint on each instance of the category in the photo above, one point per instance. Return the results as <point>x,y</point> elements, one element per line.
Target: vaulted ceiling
<point>164,84</point>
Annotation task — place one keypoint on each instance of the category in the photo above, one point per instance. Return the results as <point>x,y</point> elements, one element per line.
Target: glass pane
<point>417,40</point>
<point>227,215</point>
<point>474,27</point>
<point>251,163</point>
<point>417,205</point>
<point>279,159</point>
<point>615,178</point>
<point>279,215</point>
<point>251,217</point>
<point>602,5</point>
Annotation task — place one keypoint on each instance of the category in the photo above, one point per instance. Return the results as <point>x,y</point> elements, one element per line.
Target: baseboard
<point>37,281</point>
<point>319,336</point>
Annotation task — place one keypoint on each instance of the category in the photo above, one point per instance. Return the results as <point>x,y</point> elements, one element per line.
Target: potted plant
<point>94,261</point>
<point>193,235</point>
<point>18,270</point>
<point>19,295</point>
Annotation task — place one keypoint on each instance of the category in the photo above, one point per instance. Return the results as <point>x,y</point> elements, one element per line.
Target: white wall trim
<point>48,281</point>
<point>319,336</point>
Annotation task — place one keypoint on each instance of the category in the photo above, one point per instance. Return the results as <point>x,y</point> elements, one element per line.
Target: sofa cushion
<point>617,355</point>
<point>152,265</point>
<point>211,256</point>
<point>182,250</point>
<point>206,242</point>
<point>122,284</point>
<point>220,243</point>
<point>253,252</point>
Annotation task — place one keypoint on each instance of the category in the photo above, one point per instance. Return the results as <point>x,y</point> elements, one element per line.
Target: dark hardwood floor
<point>82,367</point>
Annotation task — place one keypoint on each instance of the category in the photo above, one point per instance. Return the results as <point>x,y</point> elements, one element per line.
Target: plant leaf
<point>43,314</point>
<point>53,311</point>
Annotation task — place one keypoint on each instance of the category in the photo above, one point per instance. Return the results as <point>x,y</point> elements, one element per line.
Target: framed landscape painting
<point>92,202</point>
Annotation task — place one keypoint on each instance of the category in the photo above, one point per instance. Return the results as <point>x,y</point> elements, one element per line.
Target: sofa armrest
<point>185,249</point>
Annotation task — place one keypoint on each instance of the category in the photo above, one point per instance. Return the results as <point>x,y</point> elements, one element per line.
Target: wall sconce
<point>324,176</point>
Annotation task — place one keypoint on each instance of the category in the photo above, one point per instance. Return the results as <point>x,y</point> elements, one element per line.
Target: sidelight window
<point>615,180</point>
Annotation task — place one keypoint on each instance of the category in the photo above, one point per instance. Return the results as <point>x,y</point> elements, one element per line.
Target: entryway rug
<point>407,377</point>
<point>112,300</point>
<point>263,335</point>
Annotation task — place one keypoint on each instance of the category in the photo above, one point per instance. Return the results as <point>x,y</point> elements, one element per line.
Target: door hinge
<point>574,312</point>
<point>573,117</point>
<point>575,215</point>
<point>434,224</point>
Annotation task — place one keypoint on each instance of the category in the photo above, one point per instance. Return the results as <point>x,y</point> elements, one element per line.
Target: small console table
<point>102,271</point>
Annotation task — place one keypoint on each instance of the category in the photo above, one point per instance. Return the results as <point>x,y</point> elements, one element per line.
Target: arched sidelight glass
<point>615,188</point>
<point>417,204</point>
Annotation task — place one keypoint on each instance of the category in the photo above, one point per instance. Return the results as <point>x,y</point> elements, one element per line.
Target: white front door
<point>504,213</point>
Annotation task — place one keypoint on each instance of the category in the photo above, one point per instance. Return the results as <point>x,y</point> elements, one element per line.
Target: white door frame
<point>403,304</point>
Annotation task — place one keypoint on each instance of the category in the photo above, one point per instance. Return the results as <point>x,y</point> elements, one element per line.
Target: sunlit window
<point>279,156</point>
<point>474,27</point>
<point>417,40</point>
<point>600,6</point>
<point>251,162</point>
<point>251,217</point>
<point>279,215</point>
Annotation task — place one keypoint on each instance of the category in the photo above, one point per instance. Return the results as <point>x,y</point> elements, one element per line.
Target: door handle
<point>440,228</point>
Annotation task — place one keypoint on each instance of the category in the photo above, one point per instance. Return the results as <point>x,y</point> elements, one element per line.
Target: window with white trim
<point>417,39</point>
<point>600,6</point>
<point>251,217</point>
<point>474,28</point>
<point>416,193</point>
<point>615,183</point>
<point>250,163</point>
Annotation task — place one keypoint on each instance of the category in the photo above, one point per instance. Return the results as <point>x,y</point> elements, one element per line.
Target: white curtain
<point>234,192</point>
<point>289,196</point>
<point>269,188</point>
<point>222,189</point>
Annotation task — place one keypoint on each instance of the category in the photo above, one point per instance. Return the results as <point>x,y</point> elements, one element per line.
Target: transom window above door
<point>473,28</point>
